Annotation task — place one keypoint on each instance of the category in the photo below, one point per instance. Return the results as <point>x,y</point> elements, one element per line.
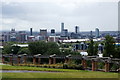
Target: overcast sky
<point>49,14</point>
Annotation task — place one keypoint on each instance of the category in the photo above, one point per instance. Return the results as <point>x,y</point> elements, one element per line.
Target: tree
<point>117,52</point>
<point>24,51</point>
<point>91,48</point>
<point>15,49</point>
<point>95,49</point>
<point>41,47</point>
<point>38,47</point>
<point>109,48</point>
<point>7,49</point>
<point>52,48</point>
<point>10,49</point>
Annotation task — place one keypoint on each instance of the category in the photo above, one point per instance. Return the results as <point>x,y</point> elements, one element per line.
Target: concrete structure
<point>80,40</point>
<point>94,60</point>
<point>30,38</point>
<point>22,36</point>
<point>62,27</point>
<point>53,32</point>
<point>76,29</point>
<point>65,33</point>
<point>31,32</point>
<point>43,33</point>
<point>97,33</point>
<point>53,38</point>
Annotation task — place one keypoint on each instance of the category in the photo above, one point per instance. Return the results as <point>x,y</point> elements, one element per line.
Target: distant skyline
<point>49,14</point>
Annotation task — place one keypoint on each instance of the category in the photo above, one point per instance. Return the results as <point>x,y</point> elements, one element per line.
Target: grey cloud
<point>102,15</point>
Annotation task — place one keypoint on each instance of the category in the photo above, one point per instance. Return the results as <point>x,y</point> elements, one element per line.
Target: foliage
<point>95,49</point>
<point>37,47</point>
<point>15,49</point>
<point>72,65</point>
<point>101,65</point>
<point>109,48</point>
<point>117,52</point>
<point>52,48</point>
<point>91,48</point>
<point>24,51</point>
<point>69,51</point>
<point>9,49</point>
<point>42,47</point>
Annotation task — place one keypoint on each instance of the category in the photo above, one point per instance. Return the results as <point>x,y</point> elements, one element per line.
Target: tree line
<point>48,48</point>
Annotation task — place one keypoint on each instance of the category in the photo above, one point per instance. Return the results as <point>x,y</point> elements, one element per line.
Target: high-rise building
<point>31,33</point>
<point>97,33</point>
<point>91,34</point>
<point>62,27</point>
<point>22,36</point>
<point>52,31</point>
<point>13,35</point>
<point>65,32</point>
<point>76,29</point>
<point>43,33</point>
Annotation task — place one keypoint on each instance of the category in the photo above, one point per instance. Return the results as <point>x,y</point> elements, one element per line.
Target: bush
<point>72,65</point>
<point>24,51</point>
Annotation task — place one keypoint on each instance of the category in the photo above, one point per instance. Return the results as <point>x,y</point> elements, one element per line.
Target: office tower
<point>22,36</point>
<point>91,34</point>
<point>52,31</point>
<point>12,30</point>
<point>43,33</point>
<point>62,27</point>
<point>97,33</point>
<point>13,35</point>
<point>65,32</point>
<point>31,33</point>
<point>76,29</point>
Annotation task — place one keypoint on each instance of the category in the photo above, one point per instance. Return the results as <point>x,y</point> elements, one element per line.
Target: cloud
<point>49,14</point>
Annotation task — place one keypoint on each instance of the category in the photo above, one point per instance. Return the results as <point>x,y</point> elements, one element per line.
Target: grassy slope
<point>68,74</point>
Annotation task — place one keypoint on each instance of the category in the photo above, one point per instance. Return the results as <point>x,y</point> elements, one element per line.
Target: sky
<point>48,14</point>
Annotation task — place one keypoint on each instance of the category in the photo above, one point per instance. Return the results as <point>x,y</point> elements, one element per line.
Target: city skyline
<point>49,15</point>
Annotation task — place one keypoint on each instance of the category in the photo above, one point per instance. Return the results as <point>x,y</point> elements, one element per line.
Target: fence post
<point>39,59</point>
<point>34,60</point>
<point>11,59</point>
<point>96,65</point>
<point>54,60</point>
<point>93,65</point>
<point>66,60</point>
<point>106,66</point>
<point>25,55</point>
<point>84,63</point>
<point>3,59</point>
<point>50,60</point>
<point>18,59</point>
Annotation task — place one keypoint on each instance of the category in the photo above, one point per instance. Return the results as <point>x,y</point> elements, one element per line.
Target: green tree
<point>95,49</point>
<point>91,48</point>
<point>52,48</point>
<point>7,49</point>
<point>109,48</point>
<point>24,51</point>
<point>38,47</point>
<point>41,47</point>
<point>117,52</point>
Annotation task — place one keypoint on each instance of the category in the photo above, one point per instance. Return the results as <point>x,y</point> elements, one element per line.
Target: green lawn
<point>66,73</point>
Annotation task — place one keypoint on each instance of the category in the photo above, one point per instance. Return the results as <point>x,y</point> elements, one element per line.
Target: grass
<point>9,67</point>
<point>66,73</point>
